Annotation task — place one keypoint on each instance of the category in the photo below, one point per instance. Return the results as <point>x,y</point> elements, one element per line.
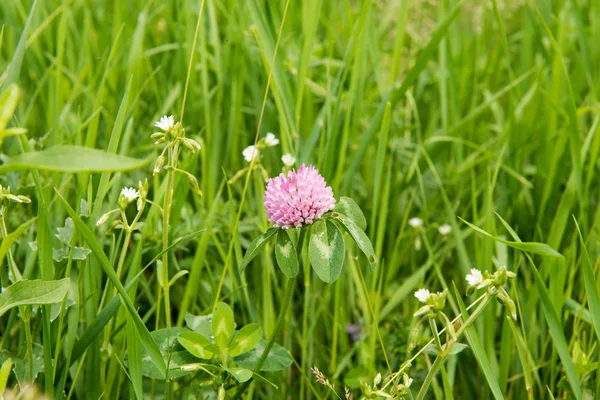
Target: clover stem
<point>173,155</point>
<point>289,290</point>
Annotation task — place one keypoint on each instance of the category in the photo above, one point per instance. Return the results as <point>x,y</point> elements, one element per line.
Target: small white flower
<point>475,277</point>
<point>166,123</point>
<point>415,222</point>
<point>288,159</point>
<point>250,153</point>
<point>129,194</point>
<point>271,140</point>
<point>422,295</point>
<point>444,229</point>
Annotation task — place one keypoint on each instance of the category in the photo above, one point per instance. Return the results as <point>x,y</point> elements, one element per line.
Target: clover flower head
<point>288,160</point>
<point>475,277</point>
<point>129,194</point>
<point>271,140</point>
<point>423,295</point>
<point>250,153</point>
<point>415,222</point>
<point>166,123</point>
<point>298,199</point>
<point>444,229</point>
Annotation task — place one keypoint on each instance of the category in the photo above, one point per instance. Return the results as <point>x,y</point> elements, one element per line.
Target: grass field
<point>466,131</point>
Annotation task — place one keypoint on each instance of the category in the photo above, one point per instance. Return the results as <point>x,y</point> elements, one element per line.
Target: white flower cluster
<point>252,152</point>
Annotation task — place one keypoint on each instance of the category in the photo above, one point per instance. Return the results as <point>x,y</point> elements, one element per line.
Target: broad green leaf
<point>255,247</point>
<point>13,237</point>
<point>65,233</point>
<point>223,325</point>
<point>326,251</point>
<point>531,247</point>
<point>589,279</point>
<point>245,340</point>
<point>4,373</point>
<point>79,253</point>
<point>478,350</point>
<point>350,209</point>
<point>240,374</point>
<point>71,158</point>
<point>36,291</point>
<point>362,240</point>
<point>172,352</point>
<point>20,365</point>
<point>199,324</point>
<point>454,349</point>
<point>198,345</point>
<point>285,253</point>
<point>277,360</point>
<point>149,344</point>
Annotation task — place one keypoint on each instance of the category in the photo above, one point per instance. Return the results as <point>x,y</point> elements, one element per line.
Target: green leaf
<point>350,209</point>
<point>589,280</point>
<point>8,105</point>
<point>199,324</point>
<point>255,247</point>
<point>245,340</point>
<point>198,345</point>
<point>12,237</point>
<point>36,291</point>
<point>134,358</point>
<point>479,351</point>
<point>356,376</point>
<point>4,373</point>
<point>362,240</point>
<point>71,158</point>
<point>172,352</point>
<point>285,253</point>
<point>531,247</point>
<point>326,251</point>
<point>14,69</point>
<point>149,345</point>
<point>20,365</point>
<point>454,349</point>
<point>554,324</point>
<point>277,360</point>
<point>222,325</point>
<point>79,253</point>
<point>240,374</point>
<point>65,234</point>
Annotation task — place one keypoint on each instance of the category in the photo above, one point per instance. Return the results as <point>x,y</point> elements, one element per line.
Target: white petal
<point>250,153</point>
<point>422,295</point>
<point>415,222</point>
<point>475,277</point>
<point>271,140</point>
<point>444,229</point>
<point>288,159</point>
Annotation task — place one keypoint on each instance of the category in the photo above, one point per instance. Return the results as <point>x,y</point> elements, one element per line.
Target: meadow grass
<point>479,115</point>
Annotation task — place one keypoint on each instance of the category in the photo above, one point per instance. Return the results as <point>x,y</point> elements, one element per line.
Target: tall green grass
<point>442,110</point>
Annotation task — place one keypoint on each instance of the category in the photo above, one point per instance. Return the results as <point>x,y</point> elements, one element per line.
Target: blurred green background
<point>429,109</point>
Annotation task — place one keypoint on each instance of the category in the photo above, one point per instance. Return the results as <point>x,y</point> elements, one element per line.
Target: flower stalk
<point>289,290</point>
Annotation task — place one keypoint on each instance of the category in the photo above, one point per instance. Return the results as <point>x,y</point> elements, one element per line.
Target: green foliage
<point>286,254</point>
<point>36,291</point>
<point>326,251</point>
<point>70,158</point>
<point>445,111</point>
